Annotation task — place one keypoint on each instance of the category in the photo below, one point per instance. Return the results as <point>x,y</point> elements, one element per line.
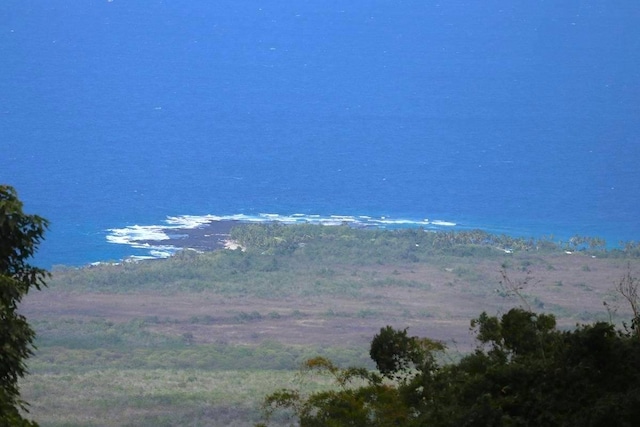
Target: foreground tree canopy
<point>524,372</point>
<point>20,235</point>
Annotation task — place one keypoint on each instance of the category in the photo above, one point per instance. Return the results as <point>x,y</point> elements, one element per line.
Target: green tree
<point>20,235</point>
<point>361,399</point>
<point>395,353</point>
<point>628,288</point>
<point>524,372</point>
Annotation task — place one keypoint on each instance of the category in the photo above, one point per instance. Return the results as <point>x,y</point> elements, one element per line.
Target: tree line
<point>412,243</point>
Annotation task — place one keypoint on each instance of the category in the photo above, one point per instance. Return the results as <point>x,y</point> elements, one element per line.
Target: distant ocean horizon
<point>511,118</point>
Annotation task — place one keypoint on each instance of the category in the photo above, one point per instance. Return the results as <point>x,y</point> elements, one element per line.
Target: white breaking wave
<point>443,223</point>
<point>137,233</point>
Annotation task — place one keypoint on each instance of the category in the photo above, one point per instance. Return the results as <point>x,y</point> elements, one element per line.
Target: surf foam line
<point>175,229</point>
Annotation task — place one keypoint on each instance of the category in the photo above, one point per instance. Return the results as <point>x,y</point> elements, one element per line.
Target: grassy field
<point>199,339</point>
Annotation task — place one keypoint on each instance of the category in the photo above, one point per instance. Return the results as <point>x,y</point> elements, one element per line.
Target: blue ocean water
<point>515,117</point>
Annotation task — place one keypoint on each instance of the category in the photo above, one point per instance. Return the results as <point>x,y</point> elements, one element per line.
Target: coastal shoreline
<point>211,232</point>
<point>207,237</point>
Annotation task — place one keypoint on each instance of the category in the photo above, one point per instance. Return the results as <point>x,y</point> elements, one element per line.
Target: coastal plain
<point>201,337</point>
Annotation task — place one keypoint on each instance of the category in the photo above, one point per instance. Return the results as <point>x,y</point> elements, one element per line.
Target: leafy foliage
<point>20,235</point>
<point>372,404</point>
<point>627,287</point>
<point>524,372</point>
<point>394,352</point>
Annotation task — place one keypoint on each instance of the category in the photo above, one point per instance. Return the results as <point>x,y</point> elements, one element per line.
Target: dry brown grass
<point>432,301</point>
